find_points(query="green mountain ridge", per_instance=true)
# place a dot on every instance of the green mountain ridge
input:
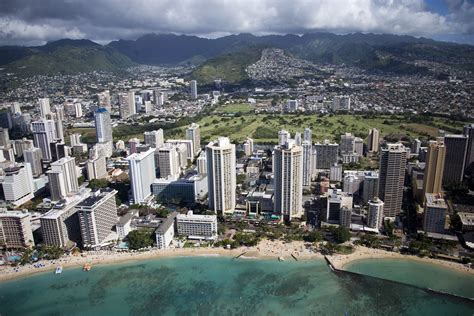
(69, 57)
(381, 53)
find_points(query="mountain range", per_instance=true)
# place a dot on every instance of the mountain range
(373, 52)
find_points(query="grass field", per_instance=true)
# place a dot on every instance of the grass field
(263, 128)
(235, 108)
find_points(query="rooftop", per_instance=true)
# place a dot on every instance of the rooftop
(96, 197)
(163, 228)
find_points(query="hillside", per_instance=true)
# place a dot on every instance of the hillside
(374, 52)
(228, 67)
(67, 57)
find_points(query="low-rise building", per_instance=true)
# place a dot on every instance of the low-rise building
(188, 190)
(124, 226)
(467, 220)
(165, 233)
(197, 226)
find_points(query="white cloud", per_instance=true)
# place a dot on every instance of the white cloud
(102, 19)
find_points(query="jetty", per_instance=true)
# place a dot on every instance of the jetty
(429, 290)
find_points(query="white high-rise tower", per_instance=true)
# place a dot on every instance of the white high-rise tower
(193, 133)
(222, 181)
(142, 174)
(288, 167)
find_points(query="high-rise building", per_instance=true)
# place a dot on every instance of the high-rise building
(307, 162)
(221, 171)
(103, 129)
(193, 133)
(97, 216)
(248, 147)
(307, 135)
(335, 172)
(104, 100)
(59, 127)
(33, 156)
(201, 163)
(142, 174)
(283, 137)
(188, 144)
(375, 213)
(371, 186)
(63, 178)
(373, 140)
(416, 146)
(75, 139)
(154, 138)
(60, 226)
(288, 173)
(182, 151)
(18, 184)
(391, 178)
(96, 167)
(44, 132)
(434, 167)
(335, 202)
(346, 145)
(358, 146)
(58, 150)
(15, 108)
(469, 164)
(434, 217)
(127, 104)
(326, 154)
(4, 138)
(44, 106)
(15, 229)
(298, 139)
(168, 161)
(133, 143)
(194, 90)
(454, 162)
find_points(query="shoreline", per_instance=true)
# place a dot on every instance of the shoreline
(265, 250)
(363, 253)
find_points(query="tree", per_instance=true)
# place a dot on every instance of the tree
(140, 238)
(455, 222)
(314, 236)
(388, 227)
(98, 184)
(341, 234)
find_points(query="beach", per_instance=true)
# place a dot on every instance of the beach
(266, 249)
(360, 253)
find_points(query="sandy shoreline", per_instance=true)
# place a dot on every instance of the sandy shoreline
(342, 261)
(265, 250)
(270, 250)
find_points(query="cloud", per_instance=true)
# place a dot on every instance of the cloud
(35, 22)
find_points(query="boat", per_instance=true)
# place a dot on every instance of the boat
(59, 270)
(87, 267)
(281, 259)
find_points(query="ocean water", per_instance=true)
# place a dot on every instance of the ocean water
(218, 286)
(417, 273)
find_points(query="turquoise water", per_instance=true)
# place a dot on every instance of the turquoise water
(218, 286)
(417, 273)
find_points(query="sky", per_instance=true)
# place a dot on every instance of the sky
(35, 22)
